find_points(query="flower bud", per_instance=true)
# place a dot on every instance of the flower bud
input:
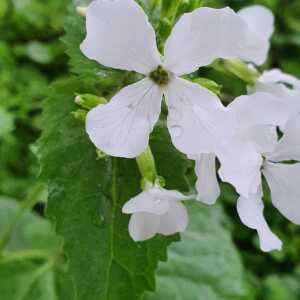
(79, 114)
(89, 101)
(81, 10)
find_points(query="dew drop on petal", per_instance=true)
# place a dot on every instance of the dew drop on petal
(175, 114)
(176, 131)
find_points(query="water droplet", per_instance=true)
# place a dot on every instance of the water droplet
(175, 114)
(176, 131)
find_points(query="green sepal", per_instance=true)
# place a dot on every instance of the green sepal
(79, 114)
(237, 68)
(209, 84)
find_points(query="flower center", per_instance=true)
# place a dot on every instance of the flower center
(160, 76)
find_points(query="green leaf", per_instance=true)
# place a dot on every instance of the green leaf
(204, 265)
(30, 267)
(85, 200)
(6, 122)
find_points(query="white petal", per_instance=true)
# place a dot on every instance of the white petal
(260, 21)
(263, 137)
(167, 195)
(240, 166)
(175, 220)
(284, 183)
(207, 184)
(122, 127)
(143, 226)
(251, 110)
(147, 202)
(120, 36)
(288, 147)
(197, 119)
(202, 36)
(250, 211)
(276, 76)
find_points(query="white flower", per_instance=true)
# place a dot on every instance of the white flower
(239, 151)
(156, 210)
(257, 116)
(255, 150)
(284, 86)
(120, 36)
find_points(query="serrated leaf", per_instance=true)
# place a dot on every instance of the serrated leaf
(29, 265)
(204, 265)
(85, 200)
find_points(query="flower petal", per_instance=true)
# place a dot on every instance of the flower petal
(263, 137)
(119, 36)
(146, 202)
(202, 36)
(288, 147)
(240, 166)
(197, 119)
(260, 21)
(250, 211)
(284, 183)
(167, 195)
(284, 86)
(251, 110)
(175, 220)
(143, 226)
(207, 184)
(276, 76)
(122, 127)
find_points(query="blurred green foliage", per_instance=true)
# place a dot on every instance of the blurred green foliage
(32, 56)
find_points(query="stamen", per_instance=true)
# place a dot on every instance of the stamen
(160, 76)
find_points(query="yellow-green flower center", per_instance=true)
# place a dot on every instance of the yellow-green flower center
(160, 76)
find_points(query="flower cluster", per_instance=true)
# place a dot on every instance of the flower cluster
(256, 134)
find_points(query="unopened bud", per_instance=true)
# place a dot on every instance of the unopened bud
(79, 114)
(89, 101)
(101, 154)
(81, 10)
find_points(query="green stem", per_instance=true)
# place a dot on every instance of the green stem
(32, 254)
(146, 164)
(28, 203)
(238, 68)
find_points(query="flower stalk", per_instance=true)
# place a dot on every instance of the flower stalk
(147, 168)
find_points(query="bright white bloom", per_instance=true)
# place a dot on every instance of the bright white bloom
(284, 86)
(257, 116)
(248, 135)
(156, 210)
(255, 150)
(120, 36)
(261, 24)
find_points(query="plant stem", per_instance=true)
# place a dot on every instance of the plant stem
(146, 164)
(32, 254)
